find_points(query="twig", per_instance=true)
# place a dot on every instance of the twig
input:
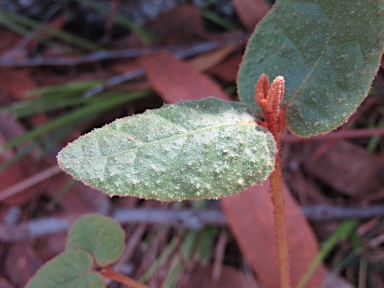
(33, 180)
(342, 134)
(179, 218)
(33, 228)
(45, 226)
(109, 273)
(219, 255)
(132, 243)
(110, 21)
(189, 218)
(321, 213)
(180, 51)
(32, 34)
(113, 81)
(127, 76)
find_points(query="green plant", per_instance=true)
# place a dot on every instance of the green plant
(21, 25)
(328, 53)
(92, 240)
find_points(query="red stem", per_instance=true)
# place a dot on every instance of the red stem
(276, 189)
(269, 100)
(109, 273)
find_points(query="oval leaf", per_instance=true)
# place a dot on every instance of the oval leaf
(98, 235)
(328, 52)
(68, 270)
(193, 149)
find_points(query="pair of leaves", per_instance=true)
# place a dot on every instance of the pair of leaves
(92, 239)
(328, 53)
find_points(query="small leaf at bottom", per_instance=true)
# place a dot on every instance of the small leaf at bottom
(68, 270)
(98, 235)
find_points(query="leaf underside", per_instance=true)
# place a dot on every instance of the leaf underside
(328, 52)
(189, 150)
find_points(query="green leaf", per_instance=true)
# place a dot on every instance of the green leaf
(328, 52)
(98, 235)
(193, 149)
(69, 269)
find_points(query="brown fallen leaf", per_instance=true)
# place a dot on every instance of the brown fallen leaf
(4, 283)
(125, 66)
(72, 201)
(176, 80)
(250, 218)
(16, 172)
(22, 263)
(17, 81)
(209, 59)
(335, 281)
(178, 24)
(56, 23)
(52, 245)
(251, 12)
(352, 176)
(9, 39)
(230, 278)
(227, 70)
(10, 176)
(307, 191)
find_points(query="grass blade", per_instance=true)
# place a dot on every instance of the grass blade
(345, 229)
(59, 34)
(145, 36)
(98, 107)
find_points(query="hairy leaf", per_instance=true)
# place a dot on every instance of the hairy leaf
(193, 149)
(328, 52)
(68, 270)
(98, 235)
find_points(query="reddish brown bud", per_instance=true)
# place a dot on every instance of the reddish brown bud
(275, 94)
(261, 89)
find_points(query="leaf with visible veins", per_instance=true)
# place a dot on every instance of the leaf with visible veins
(190, 150)
(327, 51)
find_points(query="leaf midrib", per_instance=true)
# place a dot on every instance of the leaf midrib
(322, 53)
(164, 139)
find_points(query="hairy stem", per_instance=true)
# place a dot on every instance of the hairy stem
(269, 99)
(109, 273)
(276, 189)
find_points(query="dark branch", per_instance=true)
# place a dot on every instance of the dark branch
(337, 135)
(321, 213)
(181, 51)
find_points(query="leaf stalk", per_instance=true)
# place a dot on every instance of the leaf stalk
(109, 273)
